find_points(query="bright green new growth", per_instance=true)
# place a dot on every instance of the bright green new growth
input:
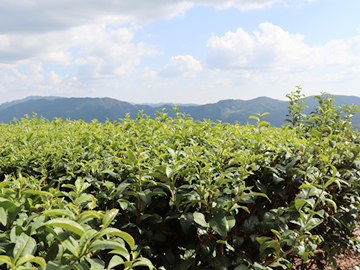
(171, 193)
(296, 108)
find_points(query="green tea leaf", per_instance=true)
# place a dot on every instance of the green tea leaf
(67, 225)
(5, 259)
(30, 258)
(4, 184)
(38, 192)
(186, 221)
(124, 235)
(115, 261)
(131, 156)
(25, 245)
(111, 173)
(143, 262)
(3, 216)
(86, 238)
(219, 224)
(103, 244)
(199, 218)
(109, 217)
(299, 203)
(145, 196)
(241, 267)
(59, 212)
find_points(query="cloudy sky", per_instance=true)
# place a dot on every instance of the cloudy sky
(181, 51)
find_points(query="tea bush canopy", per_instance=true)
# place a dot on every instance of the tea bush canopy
(174, 193)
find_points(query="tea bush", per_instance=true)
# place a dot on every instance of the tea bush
(173, 193)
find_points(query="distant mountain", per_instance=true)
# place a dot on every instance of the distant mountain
(160, 104)
(87, 109)
(11, 103)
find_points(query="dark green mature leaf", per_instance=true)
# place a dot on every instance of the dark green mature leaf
(250, 224)
(52, 252)
(270, 246)
(241, 267)
(219, 224)
(6, 203)
(186, 221)
(277, 179)
(185, 265)
(313, 223)
(111, 173)
(145, 196)
(56, 266)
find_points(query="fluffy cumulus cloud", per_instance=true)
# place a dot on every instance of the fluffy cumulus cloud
(32, 78)
(240, 4)
(47, 29)
(46, 15)
(274, 50)
(181, 66)
(111, 53)
(102, 50)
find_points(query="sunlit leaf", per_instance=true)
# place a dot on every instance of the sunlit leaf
(67, 225)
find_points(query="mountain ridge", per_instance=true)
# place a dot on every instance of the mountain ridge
(102, 109)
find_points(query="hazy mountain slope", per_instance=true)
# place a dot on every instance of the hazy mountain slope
(11, 103)
(230, 111)
(86, 109)
(233, 110)
(161, 104)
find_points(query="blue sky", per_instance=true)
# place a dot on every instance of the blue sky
(181, 51)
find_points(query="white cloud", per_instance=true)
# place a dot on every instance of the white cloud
(24, 16)
(103, 51)
(240, 4)
(181, 65)
(275, 50)
(223, 82)
(31, 80)
(147, 74)
(52, 79)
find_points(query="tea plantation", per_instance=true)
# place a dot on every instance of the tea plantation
(173, 193)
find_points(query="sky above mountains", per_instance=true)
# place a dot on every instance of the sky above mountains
(194, 51)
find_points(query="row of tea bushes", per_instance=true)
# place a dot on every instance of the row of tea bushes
(172, 193)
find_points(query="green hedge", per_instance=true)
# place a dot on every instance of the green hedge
(171, 193)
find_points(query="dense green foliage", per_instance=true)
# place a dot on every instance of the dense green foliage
(172, 193)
